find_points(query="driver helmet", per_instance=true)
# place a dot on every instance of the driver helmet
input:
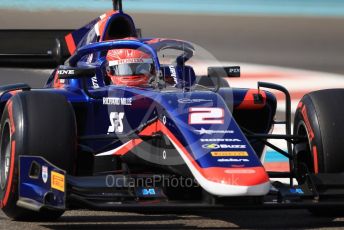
(129, 67)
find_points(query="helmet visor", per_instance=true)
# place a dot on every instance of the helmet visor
(131, 69)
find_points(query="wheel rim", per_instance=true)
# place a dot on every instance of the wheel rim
(5, 154)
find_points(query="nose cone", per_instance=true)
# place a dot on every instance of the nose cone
(235, 181)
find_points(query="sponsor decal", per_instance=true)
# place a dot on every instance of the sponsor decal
(45, 174)
(57, 181)
(130, 60)
(117, 101)
(116, 120)
(95, 82)
(66, 71)
(148, 191)
(173, 73)
(230, 154)
(237, 166)
(205, 131)
(188, 100)
(219, 140)
(296, 191)
(222, 146)
(205, 116)
(233, 160)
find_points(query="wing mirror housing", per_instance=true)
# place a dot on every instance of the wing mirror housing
(76, 73)
(229, 71)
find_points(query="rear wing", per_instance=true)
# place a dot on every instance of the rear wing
(33, 48)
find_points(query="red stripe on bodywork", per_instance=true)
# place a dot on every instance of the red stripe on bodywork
(219, 174)
(70, 43)
(249, 101)
(10, 176)
(315, 159)
(232, 176)
(127, 147)
(14, 92)
(148, 131)
(236, 176)
(155, 40)
(58, 82)
(102, 23)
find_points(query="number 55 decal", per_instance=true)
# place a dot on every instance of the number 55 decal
(116, 120)
(206, 116)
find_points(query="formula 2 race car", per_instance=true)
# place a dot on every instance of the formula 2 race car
(97, 137)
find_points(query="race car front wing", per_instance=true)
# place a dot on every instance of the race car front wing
(45, 186)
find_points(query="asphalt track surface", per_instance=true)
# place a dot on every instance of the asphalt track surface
(304, 42)
(233, 219)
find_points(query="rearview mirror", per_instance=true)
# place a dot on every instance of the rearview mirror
(74, 73)
(230, 71)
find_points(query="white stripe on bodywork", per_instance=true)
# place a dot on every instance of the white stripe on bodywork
(220, 189)
(113, 151)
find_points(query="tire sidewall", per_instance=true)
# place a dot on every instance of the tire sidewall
(306, 117)
(9, 195)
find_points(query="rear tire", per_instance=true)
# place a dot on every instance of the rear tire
(34, 123)
(320, 118)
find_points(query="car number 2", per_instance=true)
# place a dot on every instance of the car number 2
(206, 115)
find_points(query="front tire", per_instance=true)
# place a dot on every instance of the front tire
(320, 119)
(34, 123)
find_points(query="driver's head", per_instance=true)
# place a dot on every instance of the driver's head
(129, 67)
